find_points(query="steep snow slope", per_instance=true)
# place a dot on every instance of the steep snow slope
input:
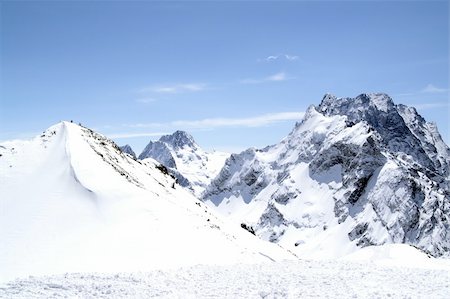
(72, 201)
(355, 172)
(193, 167)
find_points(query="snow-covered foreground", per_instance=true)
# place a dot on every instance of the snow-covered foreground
(289, 279)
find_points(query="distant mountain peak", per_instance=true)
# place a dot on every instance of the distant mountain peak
(128, 150)
(159, 151)
(179, 139)
(193, 167)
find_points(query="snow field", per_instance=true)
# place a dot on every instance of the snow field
(299, 279)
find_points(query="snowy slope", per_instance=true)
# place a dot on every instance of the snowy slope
(193, 167)
(353, 277)
(354, 172)
(71, 201)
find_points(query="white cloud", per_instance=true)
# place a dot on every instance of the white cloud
(271, 58)
(430, 88)
(174, 88)
(257, 121)
(431, 105)
(291, 57)
(133, 135)
(278, 77)
(145, 100)
(405, 94)
(211, 123)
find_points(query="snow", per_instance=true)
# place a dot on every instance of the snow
(182, 154)
(81, 219)
(354, 277)
(71, 201)
(354, 172)
(398, 255)
(199, 167)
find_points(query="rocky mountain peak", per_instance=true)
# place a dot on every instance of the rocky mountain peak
(128, 150)
(179, 139)
(387, 119)
(160, 152)
(358, 107)
(362, 169)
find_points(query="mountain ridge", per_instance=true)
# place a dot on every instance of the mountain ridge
(354, 169)
(85, 206)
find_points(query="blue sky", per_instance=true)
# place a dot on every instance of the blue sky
(233, 74)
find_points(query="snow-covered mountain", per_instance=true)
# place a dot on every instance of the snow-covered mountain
(128, 150)
(193, 167)
(354, 172)
(72, 201)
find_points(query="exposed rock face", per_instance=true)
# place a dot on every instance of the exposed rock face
(193, 167)
(160, 152)
(128, 150)
(179, 140)
(361, 169)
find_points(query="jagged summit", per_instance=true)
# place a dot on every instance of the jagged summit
(331, 105)
(179, 139)
(361, 170)
(160, 152)
(193, 167)
(128, 150)
(394, 124)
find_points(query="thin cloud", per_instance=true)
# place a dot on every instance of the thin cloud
(145, 100)
(430, 88)
(133, 135)
(431, 106)
(258, 121)
(278, 77)
(221, 122)
(288, 57)
(271, 58)
(405, 94)
(174, 88)
(291, 57)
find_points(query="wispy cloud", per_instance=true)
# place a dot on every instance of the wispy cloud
(281, 76)
(404, 94)
(145, 100)
(133, 135)
(430, 88)
(277, 77)
(211, 123)
(174, 88)
(257, 121)
(431, 105)
(271, 58)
